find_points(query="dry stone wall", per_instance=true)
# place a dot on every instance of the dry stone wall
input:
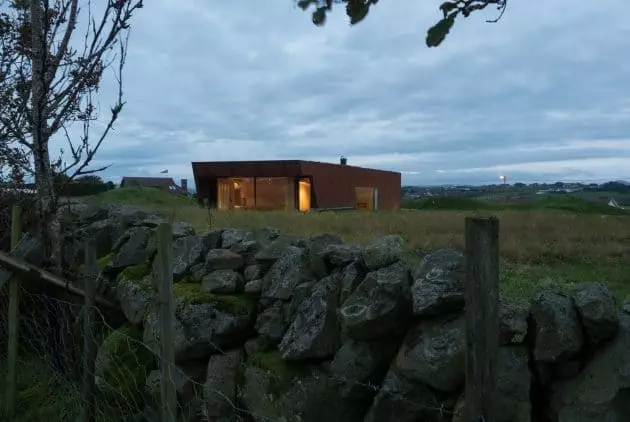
(273, 327)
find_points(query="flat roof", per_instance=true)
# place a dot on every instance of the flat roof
(285, 162)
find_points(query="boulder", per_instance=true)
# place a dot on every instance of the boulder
(276, 390)
(204, 323)
(187, 251)
(211, 240)
(315, 331)
(223, 281)
(439, 283)
(380, 305)
(272, 323)
(351, 276)
(248, 250)
(223, 259)
(230, 237)
(263, 235)
(360, 365)
(300, 293)
(254, 287)
(134, 249)
(314, 257)
(434, 354)
(384, 252)
(285, 274)
(598, 311)
(399, 400)
(134, 292)
(601, 391)
(185, 378)
(512, 321)
(276, 249)
(557, 329)
(341, 255)
(220, 387)
(252, 272)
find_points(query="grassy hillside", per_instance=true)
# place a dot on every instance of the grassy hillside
(557, 240)
(563, 203)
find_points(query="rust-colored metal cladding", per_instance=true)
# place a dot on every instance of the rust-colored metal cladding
(295, 184)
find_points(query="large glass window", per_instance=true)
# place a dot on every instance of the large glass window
(235, 193)
(263, 193)
(274, 193)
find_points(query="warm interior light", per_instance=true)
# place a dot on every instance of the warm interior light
(304, 195)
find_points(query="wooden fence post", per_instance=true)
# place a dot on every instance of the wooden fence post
(89, 341)
(482, 325)
(165, 295)
(14, 316)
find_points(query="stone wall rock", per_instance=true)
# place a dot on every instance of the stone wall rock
(269, 326)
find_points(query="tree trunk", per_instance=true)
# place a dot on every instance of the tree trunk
(46, 200)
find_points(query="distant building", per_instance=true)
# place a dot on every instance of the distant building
(163, 183)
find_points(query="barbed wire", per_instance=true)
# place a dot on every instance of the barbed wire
(126, 371)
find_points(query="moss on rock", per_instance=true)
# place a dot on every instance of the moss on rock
(136, 275)
(281, 372)
(101, 263)
(193, 294)
(123, 365)
(272, 361)
(136, 272)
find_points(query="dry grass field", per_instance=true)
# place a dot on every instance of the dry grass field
(537, 247)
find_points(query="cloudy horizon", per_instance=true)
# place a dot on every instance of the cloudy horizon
(543, 95)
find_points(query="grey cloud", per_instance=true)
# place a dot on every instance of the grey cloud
(240, 81)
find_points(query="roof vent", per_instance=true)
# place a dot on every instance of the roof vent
(343, 161)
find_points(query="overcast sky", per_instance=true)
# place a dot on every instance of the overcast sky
(543, 95)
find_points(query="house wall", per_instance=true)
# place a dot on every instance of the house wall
(334, 185)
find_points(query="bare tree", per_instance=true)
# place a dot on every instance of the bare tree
(50, 74)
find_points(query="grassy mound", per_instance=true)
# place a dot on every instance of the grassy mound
(142, 196)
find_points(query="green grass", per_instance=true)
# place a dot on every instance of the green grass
(557, 240)
(142, 197)
(563, 203)
(521, 282)
(41, 395)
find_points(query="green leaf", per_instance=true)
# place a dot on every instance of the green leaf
(357, 10)
(447, 7)
(437, 33)
(319, 16)
(304, 4)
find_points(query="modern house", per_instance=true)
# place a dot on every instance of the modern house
(295, 184)
(163, 183)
